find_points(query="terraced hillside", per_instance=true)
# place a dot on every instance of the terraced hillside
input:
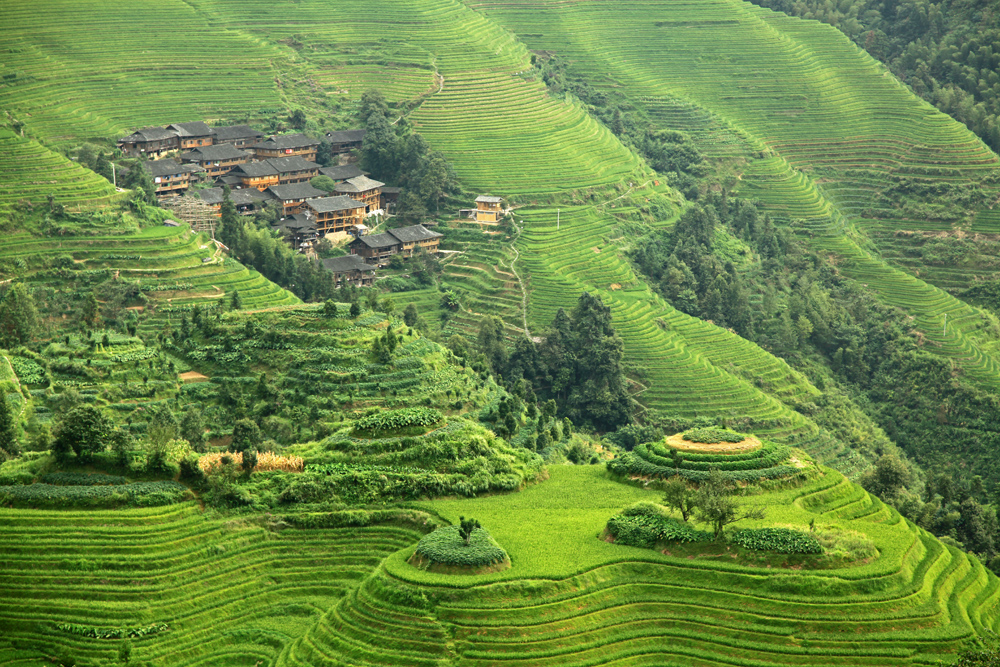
(31, 172)
(175, 268)
(68, 68)
(850, 148)
(229, 591)
(501, 131)
(571, 599)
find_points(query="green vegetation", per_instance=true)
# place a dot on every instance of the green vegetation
(780, 540)
(447, 546)
(655, 460)
(647, 531)
(712, 435)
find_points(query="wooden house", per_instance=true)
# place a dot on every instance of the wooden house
(416, 237)
(293, 197)
(240, 136)
(192, 135)
(343, 141)
(342, 172)
(350, 270)
(376, 248)
(364, 189)
(488, 209)
(217, 160)
(257, 174)
(149, 142)
(170, 178)
(335, 214)
(285, 145)
(294, 169)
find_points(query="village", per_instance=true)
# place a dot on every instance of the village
(193, 165)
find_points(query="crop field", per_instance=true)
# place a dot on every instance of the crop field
(572, 599)
(31, 172)
(230, 591)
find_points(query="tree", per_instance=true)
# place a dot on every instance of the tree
(410, 315)
(679, 496)
(236, 302)
(84, 430)
(716, 506)
(889, 476)
(355, 309)
(18, 316)
(162, 426)
(324, 183)
(8, 427)
(491, 343)
(466, 528)
(329, 309)
(249, 460)
(246, 436)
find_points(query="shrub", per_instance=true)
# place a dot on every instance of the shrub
(445, 546)
(81, 479)
(780, 540)
(712, 435)
(139, 494)
(646, 530)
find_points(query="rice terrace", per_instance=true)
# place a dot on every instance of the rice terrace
(482, 333)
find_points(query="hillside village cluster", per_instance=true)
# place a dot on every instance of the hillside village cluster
(260, 170)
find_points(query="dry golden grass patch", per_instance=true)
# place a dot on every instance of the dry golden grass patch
(266, 461)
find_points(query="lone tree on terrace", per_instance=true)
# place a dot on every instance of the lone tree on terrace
(466, 527)
(717, 506)
(679, 496)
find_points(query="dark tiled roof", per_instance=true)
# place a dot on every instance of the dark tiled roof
(329, 204)
(342, 172)
(195, 129)
(346, 263)
(391, 190)
(231, 132)
(378, 241)
(294, 191)
(165, 167)
(488, 199)
(150, 134)
(214, 152)
(291, 163)
(257, 168)
(230, 180)
(359, 184)
(246, 196)
(414, 233)
(345, 136)
(280, 142)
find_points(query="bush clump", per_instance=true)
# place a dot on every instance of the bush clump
(646, 530)
(82, 479)
(392, 420)
(712, 434)
(139, 494)
(780, 540)
(445, 546)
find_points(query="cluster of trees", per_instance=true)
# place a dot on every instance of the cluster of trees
(19, 320)
(578, 364)
(127, 173)
(251, 241)
(713, 502)
(392, 152)
(667, 151)
(945, 50)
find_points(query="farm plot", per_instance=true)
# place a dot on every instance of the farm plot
(227, 591)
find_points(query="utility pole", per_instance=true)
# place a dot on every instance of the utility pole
(114, 176)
